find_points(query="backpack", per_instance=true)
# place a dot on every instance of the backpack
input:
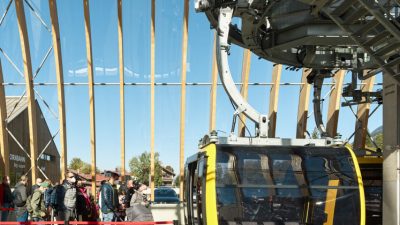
(17, 198)
(83, 206)
(47, 197)
(57, 197)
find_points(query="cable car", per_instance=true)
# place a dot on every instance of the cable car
(252, 181)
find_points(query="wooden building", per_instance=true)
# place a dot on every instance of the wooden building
(18, 139)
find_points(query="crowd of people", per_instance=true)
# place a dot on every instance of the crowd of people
(70, 200)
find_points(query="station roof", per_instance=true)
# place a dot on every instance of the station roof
(15, 106)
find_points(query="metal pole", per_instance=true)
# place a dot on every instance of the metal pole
(121, 88)
(244, 89)
(361, 126)
(5, 151)
(304, 100)
(334, 104)
(26, 57)
(183, 96)
(274, 99)
(60, 85)
(214, 81)
(152, 71)
(91, 94)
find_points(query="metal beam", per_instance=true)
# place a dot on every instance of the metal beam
(60, 85)
(121, 88)
(361, 127)
(304, 101)
(244, 89)
(152, 73)
(183, 96)
(273, 99)
(334, 104)
(26, 57)
(89, 59)
(214, 81)
(4, 148)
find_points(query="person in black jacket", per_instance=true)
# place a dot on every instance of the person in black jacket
(20, 195)
(6, 198)
(109, 199)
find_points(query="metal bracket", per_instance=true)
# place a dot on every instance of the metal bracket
(261, 121)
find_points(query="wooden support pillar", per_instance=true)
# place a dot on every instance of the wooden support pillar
(244, 89)
(214, 80)
(121, 88)
(152, 71)
(183, 97)
(4, 148)
(304, 100)
(273, 99)
(60, 85)
(89, 60)
(26, 57)
(334, 104)
(361, 127)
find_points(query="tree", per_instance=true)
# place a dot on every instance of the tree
(76, 164)
(315, 134)
(140, 168)
(177, 181)
(378, 139)
(83, 167)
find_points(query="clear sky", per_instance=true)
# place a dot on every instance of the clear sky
(136, 25)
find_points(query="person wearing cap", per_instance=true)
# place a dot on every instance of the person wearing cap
(67, 210)
(39, 181)
(39, 211)
(20, 196)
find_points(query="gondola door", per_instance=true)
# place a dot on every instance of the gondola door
(195, 189)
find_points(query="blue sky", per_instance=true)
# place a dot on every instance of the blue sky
(136, 24)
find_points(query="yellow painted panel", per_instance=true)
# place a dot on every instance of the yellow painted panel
(331, 202)
(211, 193)
(360, 186)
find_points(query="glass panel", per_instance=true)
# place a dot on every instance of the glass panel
(137, 121)
(104, 25)
(200, 47)
(10, 45)
(78, 125)
(39, 32)
(136, 23)
(167, 124)
(108, 127)
(73, 42)
(169, 41)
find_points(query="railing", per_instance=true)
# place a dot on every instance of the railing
(174, 222)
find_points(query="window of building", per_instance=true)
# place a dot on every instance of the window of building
(47, 157)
